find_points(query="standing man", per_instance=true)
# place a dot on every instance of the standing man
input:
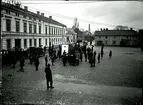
(64, 58)
(36, 63)
(49, 76)
(46, 60)
(98, 57)
(110, 54)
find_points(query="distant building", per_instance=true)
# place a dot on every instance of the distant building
(72, 35)
(20, 27)
(76, 23)
(116, 37)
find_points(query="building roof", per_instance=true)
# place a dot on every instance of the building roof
(70, 31)
(31, 14)
(115, 33)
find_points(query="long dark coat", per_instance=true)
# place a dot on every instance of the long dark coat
(48, 74)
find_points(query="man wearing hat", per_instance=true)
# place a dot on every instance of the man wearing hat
(49, 76)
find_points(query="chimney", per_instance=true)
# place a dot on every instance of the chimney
(42, 14)
(100, 29)
(131, 28)
(26, 8)
(106, 28)
(38, 12)
(50, 17)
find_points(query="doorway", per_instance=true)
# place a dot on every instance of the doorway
(18, 43)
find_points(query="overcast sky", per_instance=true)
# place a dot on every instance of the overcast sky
(99, 14)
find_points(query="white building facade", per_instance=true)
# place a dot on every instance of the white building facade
(20, 27)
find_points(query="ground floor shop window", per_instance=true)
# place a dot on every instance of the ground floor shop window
(25, 43)
(39, 42)
(35, 43)
(30, 42)
(45, 41)
(18, 43)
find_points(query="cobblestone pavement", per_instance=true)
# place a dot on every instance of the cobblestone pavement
(113, 81)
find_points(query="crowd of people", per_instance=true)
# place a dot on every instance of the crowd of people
(73, 57)
(12, 56)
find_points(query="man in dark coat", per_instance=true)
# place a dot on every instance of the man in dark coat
(110, 54)
(36, 63)
(49, 76)
(98, 57)
(64, 58)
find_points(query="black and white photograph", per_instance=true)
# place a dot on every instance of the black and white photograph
(71, 52)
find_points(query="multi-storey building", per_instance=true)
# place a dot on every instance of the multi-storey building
(116, 37)
(20, 27)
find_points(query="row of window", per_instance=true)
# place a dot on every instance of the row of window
(18, 42)
(106, 37)
(52, 30)
(127, 37)
(17, 14)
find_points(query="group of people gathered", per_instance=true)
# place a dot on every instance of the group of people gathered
(76, 53)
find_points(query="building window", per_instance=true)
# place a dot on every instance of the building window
(45, 41)
(8, 41)
(17, 26)
(8, 25)
(127, 37)
(25, 27)
(7, 11)
(49, 30)
(39, 42)
(17, 14)
(52, 30)
(39, 29)
(35, 28)
(67, 39)
(35, 43)
(106, 37)
(39, 20)
(25, 43)
(46, 29)
(30, 42)
(30, 28)
(114, 42)
(114, 37)
(106, 42)
(99, 37)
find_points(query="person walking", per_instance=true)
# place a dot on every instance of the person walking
(110, 54)
(49, 76)
(46, 60)
(36, 63)
(98, 57)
